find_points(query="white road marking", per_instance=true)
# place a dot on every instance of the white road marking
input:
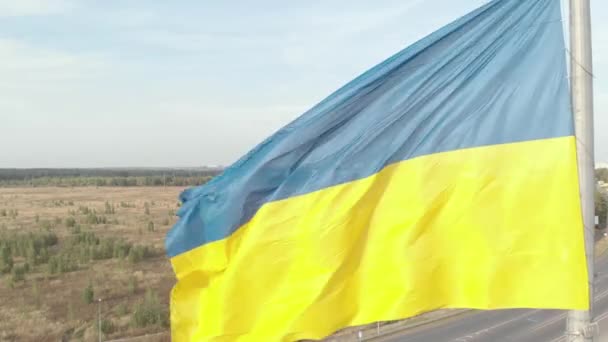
(486, 330)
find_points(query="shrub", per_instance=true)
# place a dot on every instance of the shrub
(57, 203)
(70, 310)
(31, 255)
(43, 256)
(107, 327)
(36, 293)
(132, 286)
(105, 250)
(84, 254)
(67, 263)
(134, 256)
(6, 260)
(121, 249)
(50, 239)
(29, 246)
(139, 253)
(70, 222)
(53, 266)
(84, 210)
(18, 274)
(109, 208)
(88, 294)
(126, 205)
(149, 312)
(75, 229)
(92, 218)
(62, 263)
(122, 309)
(84, 238)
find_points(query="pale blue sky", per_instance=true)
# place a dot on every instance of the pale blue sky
(187, 83)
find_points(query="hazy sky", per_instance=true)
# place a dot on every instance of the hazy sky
(187, 83)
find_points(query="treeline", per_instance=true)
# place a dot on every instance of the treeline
(24, 174)
(106, 177)
(601, 199)
(113, 181)
(601, 175)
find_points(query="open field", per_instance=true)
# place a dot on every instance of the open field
(61, 243)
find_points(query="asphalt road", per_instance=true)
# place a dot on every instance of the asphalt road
(509, 325)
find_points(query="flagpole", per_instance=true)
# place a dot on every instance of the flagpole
(579, 322)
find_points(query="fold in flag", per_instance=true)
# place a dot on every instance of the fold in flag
(444, 177)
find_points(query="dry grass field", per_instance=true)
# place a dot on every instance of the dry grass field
(48, 302)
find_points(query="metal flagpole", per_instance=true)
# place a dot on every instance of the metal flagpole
(581, 85)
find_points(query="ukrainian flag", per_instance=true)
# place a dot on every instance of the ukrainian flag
(444, 177)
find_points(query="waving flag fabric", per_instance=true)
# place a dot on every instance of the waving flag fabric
(444, 177)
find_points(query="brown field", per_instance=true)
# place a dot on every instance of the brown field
(51, 307)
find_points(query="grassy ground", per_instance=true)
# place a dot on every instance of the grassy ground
(50, 306)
